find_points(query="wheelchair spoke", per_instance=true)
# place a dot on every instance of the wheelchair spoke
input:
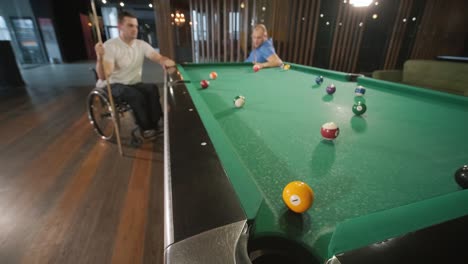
(100, 116)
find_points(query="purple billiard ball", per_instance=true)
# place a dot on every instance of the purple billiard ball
(331, 89)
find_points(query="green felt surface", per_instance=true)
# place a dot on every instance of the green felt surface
(402, 151)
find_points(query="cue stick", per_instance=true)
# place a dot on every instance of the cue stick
(109, 92)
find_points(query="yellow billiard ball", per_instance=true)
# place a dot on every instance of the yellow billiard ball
(286, 67)
(298, 196)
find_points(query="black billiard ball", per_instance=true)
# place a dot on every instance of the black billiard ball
(461, 177)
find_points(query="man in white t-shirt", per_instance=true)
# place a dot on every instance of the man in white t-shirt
(122, 58)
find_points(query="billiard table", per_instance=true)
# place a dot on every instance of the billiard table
(384, 188)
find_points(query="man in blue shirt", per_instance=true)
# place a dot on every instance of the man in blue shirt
(263, 53)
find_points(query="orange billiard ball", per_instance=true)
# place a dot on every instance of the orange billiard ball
(213, 75)
(298, 196)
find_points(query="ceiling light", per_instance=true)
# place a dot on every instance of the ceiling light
(360, 3)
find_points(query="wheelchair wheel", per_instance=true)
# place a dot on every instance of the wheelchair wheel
(100, 114)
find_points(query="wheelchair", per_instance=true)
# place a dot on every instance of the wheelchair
(100, 115)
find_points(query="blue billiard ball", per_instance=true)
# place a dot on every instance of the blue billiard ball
(319, 80)
(360, 91)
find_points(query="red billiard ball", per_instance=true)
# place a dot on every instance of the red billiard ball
(204, 84)
(256, 68)
(330, 131)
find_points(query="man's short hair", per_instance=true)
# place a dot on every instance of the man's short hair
(123, 15)
(262, 28)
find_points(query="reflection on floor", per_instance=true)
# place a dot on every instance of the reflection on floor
(66, 196)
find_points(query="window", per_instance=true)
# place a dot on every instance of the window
(4, 33)
(112, 32)
(234, 25)
(199, 26)
(110, 19)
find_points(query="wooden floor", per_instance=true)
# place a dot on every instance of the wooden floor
(66, 196)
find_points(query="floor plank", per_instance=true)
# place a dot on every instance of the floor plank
(67, 196)
(129, 243)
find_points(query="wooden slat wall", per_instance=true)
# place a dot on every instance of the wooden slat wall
(420, 51)
(443, 25)
(315, 18)
(278, 27)
(218, 29)
(291, 31)
(245, 31)
(238, 29)
(398, 33)
(194, 43)
(218, 44)
(225, 27)
(197, 23)
(213, 33)
(303, 43)
(207, 29)
(298, 35)
(336, 36)
(231, 35)
(347, 37)
(164, 31)
(293, 37)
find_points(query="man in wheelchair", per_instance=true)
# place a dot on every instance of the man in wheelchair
(122, 58)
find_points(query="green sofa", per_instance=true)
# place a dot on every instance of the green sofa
(446, 76)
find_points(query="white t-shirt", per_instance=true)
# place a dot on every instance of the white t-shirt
(127, 60)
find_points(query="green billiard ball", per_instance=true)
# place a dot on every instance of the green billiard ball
(359, 108)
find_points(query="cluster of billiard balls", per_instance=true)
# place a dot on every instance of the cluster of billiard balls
(330, 130)
(359, 108)
(239, 101)
(297, 195)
